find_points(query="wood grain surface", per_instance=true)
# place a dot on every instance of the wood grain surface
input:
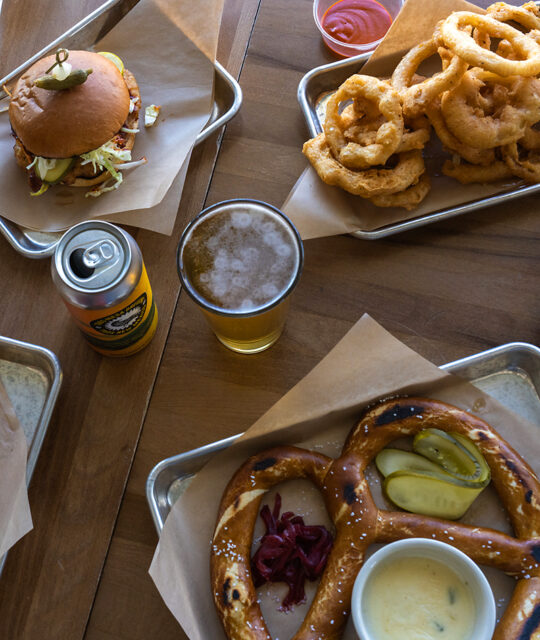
(447, 290)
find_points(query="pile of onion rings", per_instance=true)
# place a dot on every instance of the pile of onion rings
(370, 148)
(483, 106)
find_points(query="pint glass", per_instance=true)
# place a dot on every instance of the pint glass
(239, 260)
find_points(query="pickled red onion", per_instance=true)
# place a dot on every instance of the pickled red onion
(291, 552)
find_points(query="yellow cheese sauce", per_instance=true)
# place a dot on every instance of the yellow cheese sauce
(418, 599)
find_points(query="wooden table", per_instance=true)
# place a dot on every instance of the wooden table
(447, 290)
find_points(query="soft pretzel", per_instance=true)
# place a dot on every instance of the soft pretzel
(358, 522)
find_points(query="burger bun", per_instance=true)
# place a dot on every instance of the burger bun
(69, 122)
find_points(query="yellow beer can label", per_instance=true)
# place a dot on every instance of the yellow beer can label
(123, 329)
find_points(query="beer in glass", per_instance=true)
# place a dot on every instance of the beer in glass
(239, 260)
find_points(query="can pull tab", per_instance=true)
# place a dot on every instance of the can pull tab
(100, 254)
(84, 262)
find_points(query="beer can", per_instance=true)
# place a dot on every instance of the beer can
(99, 271)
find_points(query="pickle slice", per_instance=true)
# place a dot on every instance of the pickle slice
(427, 494)
(443, 449)
(485, 475)
(56, 173)
(390, 460)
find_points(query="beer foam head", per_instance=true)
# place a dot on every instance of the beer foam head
(241, 258)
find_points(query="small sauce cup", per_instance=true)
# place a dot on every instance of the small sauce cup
(438, 552)
(344, 49)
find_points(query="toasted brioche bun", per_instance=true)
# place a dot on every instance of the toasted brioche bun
(62, 124)
(83, 175)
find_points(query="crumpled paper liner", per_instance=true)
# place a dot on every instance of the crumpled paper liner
(15, 518)
(172, 72)
(366, 365)
(318, 209)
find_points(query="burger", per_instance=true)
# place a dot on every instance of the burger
(74, 116)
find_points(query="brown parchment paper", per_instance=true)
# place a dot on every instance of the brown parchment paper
(157, 40)
(15, 518)
(318, 209)
(367, 364)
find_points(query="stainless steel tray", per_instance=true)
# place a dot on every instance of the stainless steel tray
(319, 83)
(227, 101)
(32, 377)
(510, 373)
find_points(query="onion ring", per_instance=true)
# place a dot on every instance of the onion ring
(506, 125)
(408, 199)
(453, 144)
(366, 183)
(469, 173)
(351, 154)
(457, 39)
(364, 131)
(528, 15)
(416, 97)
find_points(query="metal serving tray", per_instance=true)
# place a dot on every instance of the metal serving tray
(510, 373)
(319, 83)
(227, 101)
(32, 377)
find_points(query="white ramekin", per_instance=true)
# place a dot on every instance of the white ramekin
(466, 569)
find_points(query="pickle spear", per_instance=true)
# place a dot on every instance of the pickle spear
(462, 461)
(67, 80)
(390, 460)
(73, 79)
(485, 475)
(426, 493)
